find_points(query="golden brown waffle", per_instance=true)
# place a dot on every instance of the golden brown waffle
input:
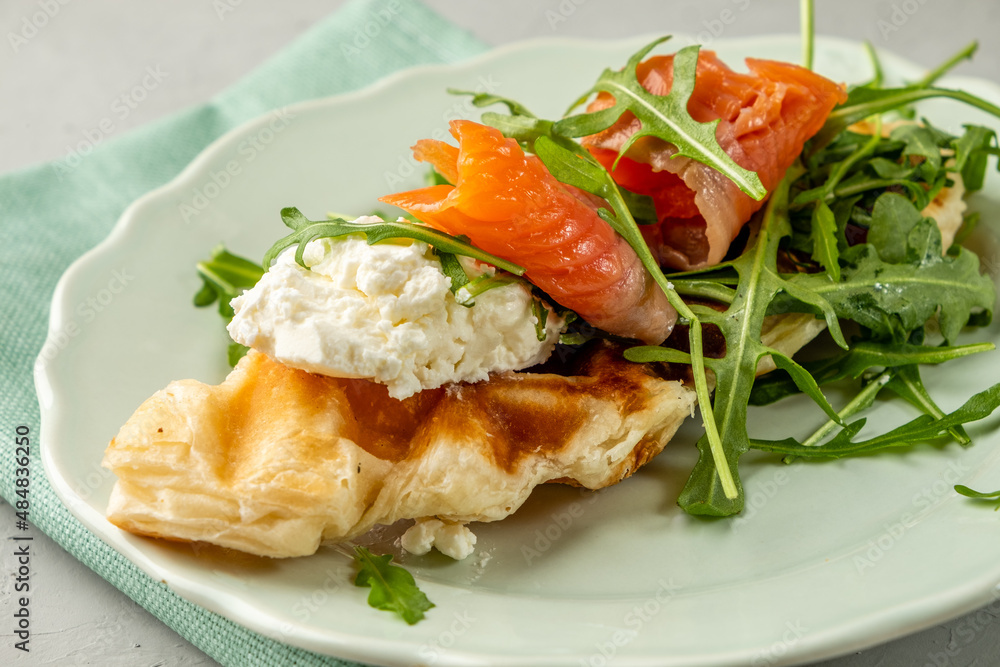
(274, 461)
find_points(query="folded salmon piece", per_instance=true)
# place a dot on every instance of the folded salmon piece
(509, 204)
(765, 117)
(275, 461)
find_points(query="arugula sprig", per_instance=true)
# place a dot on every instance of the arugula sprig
(922, 429)
(863, 356)
(979, 495)
(663, 117)
(741, 324)
(393, 588)
(305, 230)
(867, 101)
(892, 283)
(900, 372)
(224, 277)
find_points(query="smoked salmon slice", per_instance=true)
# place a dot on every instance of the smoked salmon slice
(508, 204)
(765, 118)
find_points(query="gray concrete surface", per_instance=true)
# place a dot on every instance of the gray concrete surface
(64, 79)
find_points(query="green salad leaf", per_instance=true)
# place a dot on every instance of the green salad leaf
(922, 429)
(863, 356)
(891, 300)
(393, 588)
(224, 277)
(864, 102)
(740, 325)
(664, 117)
(979, 495)
(305, 230)
(908, 385)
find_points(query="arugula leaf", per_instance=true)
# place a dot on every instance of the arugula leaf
(235, 351)
(877, 73)
(741, 327)
(979, 495)
(699, 288)
(224, 277)
(965, 53)
(451, 267)
(920, 142)
(807, 29)
(864, 102)
(662, 116)
(305, 230)
(541, 314)
(972, 150)
(922, 429)
(894, 299)
(466, 294)
(527, 129)
(894, 221)
(861, 401)
(824, 240)
(488, 99)
(393, 588)
(862, 357)
(908, 385)
(641, 206)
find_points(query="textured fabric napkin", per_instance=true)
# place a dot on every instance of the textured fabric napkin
(51, 214)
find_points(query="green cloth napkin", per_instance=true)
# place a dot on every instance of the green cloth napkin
(51, 214)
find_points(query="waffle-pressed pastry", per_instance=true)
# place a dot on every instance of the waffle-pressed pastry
(274, 461)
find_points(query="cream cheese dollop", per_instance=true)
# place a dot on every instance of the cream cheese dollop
(451, 539)
(386, 312)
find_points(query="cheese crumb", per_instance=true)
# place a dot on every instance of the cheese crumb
(386, 312)
(451, 539)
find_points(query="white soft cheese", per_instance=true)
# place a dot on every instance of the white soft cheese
(451, 539)
(385, 312)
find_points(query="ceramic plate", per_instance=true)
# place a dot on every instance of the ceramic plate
(828, 558)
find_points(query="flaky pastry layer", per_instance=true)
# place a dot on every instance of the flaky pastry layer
(275, 461)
